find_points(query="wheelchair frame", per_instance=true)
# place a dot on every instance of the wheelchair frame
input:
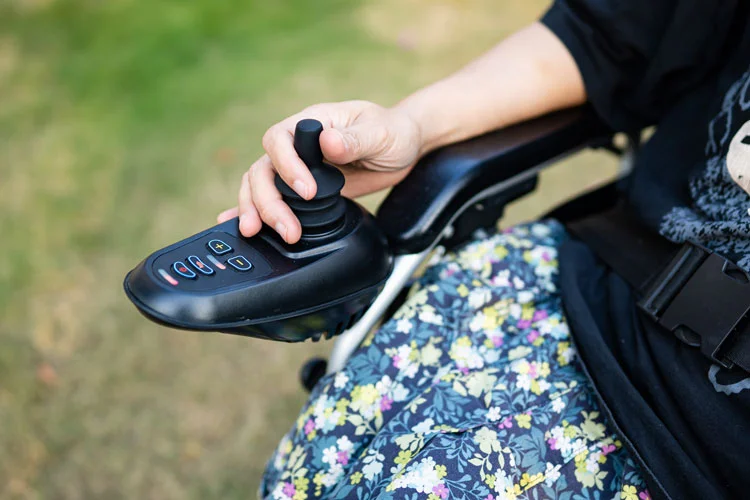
(524, 150)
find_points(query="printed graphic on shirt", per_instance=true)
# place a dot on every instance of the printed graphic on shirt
(718, 216)
(728, 387)
(738, 157)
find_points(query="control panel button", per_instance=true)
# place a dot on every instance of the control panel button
(180, 268)
(200, 266)
(240, 263)
(219, 247)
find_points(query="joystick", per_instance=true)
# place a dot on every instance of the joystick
(322, 216)
(219, 280)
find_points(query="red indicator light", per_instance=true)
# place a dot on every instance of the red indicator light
(168, 278)
(215, 262)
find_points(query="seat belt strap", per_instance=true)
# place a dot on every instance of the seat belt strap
(634, 252)
(699, 296)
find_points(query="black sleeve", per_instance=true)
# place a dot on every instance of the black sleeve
(639, 57)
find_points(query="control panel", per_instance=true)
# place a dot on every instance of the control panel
(216, 260)
(218, 280)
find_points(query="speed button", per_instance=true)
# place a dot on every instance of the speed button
(240, 263)
(218, 247)
(200, 266)
(180, 268)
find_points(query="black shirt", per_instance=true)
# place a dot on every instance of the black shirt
(685, 66)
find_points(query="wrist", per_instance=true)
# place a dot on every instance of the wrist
(433, 121)
(431, 134)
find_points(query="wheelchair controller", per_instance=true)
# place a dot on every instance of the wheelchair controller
(218, 280)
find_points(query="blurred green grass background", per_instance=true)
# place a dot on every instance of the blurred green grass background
(126, 125)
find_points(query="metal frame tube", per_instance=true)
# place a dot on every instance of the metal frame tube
(404, 267)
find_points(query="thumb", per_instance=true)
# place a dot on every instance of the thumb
(342, 146)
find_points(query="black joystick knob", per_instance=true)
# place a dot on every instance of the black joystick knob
(324, 214)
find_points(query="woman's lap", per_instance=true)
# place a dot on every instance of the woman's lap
(472, 390)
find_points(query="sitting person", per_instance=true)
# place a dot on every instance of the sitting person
(475, 389)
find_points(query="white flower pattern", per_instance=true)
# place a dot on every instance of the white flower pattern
(481, 378)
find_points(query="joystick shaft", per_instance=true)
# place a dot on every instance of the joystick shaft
(323, 215)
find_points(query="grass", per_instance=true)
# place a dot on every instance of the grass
(125, 125)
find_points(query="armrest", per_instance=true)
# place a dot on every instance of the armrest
(449, 180)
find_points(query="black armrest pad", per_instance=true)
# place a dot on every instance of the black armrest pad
(418, 209)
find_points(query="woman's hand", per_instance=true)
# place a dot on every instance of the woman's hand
(375, 148)
(526, 75)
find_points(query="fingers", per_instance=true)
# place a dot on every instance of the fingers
(279, 145)
(360, 181)
(347, 145)
(227, 214)
(250, 222)
(278, 142)
(262, 202)
(259, 200)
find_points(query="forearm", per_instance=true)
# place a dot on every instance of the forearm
(526, 75)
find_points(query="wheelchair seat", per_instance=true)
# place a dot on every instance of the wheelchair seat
(465, 187)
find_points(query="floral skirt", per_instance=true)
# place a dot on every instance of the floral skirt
(472, 390)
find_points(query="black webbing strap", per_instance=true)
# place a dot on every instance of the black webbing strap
(698, 295)
(635, 253)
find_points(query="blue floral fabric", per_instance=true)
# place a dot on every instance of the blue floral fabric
(471, 391)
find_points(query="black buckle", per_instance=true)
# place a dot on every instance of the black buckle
(702, 298)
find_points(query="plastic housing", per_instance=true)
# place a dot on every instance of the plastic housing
(311, 289)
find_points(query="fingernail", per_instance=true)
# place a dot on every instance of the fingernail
(301, 188)
(243, 218)
(281, 229)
